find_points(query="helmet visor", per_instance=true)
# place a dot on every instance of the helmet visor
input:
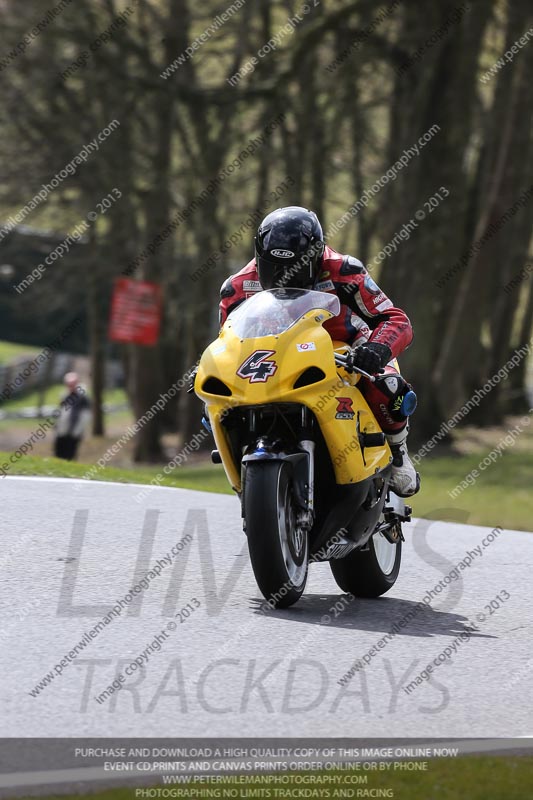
(295, 273)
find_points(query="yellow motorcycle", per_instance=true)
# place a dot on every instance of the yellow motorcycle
(301, 448)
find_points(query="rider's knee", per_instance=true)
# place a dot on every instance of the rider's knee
(397, 396)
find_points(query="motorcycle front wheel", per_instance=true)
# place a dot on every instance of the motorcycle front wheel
(279, 548)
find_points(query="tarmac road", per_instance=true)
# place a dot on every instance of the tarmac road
(72, 549)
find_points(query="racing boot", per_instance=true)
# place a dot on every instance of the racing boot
(405, 480)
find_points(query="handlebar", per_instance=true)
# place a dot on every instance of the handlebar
(341, 360)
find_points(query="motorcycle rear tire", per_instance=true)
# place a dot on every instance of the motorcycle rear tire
(362, 574)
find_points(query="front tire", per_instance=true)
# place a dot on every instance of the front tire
(370, 572)
(279, 548)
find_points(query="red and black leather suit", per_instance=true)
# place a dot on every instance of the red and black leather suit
(366, 314)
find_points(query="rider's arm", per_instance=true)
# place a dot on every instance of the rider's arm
(389, 325)
(229, 299)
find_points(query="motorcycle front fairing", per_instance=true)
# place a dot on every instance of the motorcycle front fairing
(273, 350)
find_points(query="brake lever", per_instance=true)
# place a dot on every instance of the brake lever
(190, 389)
(341, 360)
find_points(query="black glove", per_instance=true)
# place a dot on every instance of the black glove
(370, 357)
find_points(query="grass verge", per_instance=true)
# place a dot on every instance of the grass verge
(11, 350)
(501, 495)
(52, 395)
(469, 777)
(204, 477)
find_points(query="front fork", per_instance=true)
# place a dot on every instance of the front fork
(306, 518)
(305, 486)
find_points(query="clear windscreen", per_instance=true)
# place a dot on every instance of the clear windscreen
(272, 312)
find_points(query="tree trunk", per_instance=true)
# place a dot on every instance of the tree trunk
(427, 94)
(96, 347)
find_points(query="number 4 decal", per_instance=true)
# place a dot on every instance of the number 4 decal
(256, 368)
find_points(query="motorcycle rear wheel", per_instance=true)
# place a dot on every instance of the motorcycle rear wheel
(370, 572)
(279, 548)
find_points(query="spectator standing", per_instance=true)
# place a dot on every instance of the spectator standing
(73, 419)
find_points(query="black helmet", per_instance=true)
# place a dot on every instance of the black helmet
(289, 248)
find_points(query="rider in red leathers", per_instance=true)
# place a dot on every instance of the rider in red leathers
(290, 252)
